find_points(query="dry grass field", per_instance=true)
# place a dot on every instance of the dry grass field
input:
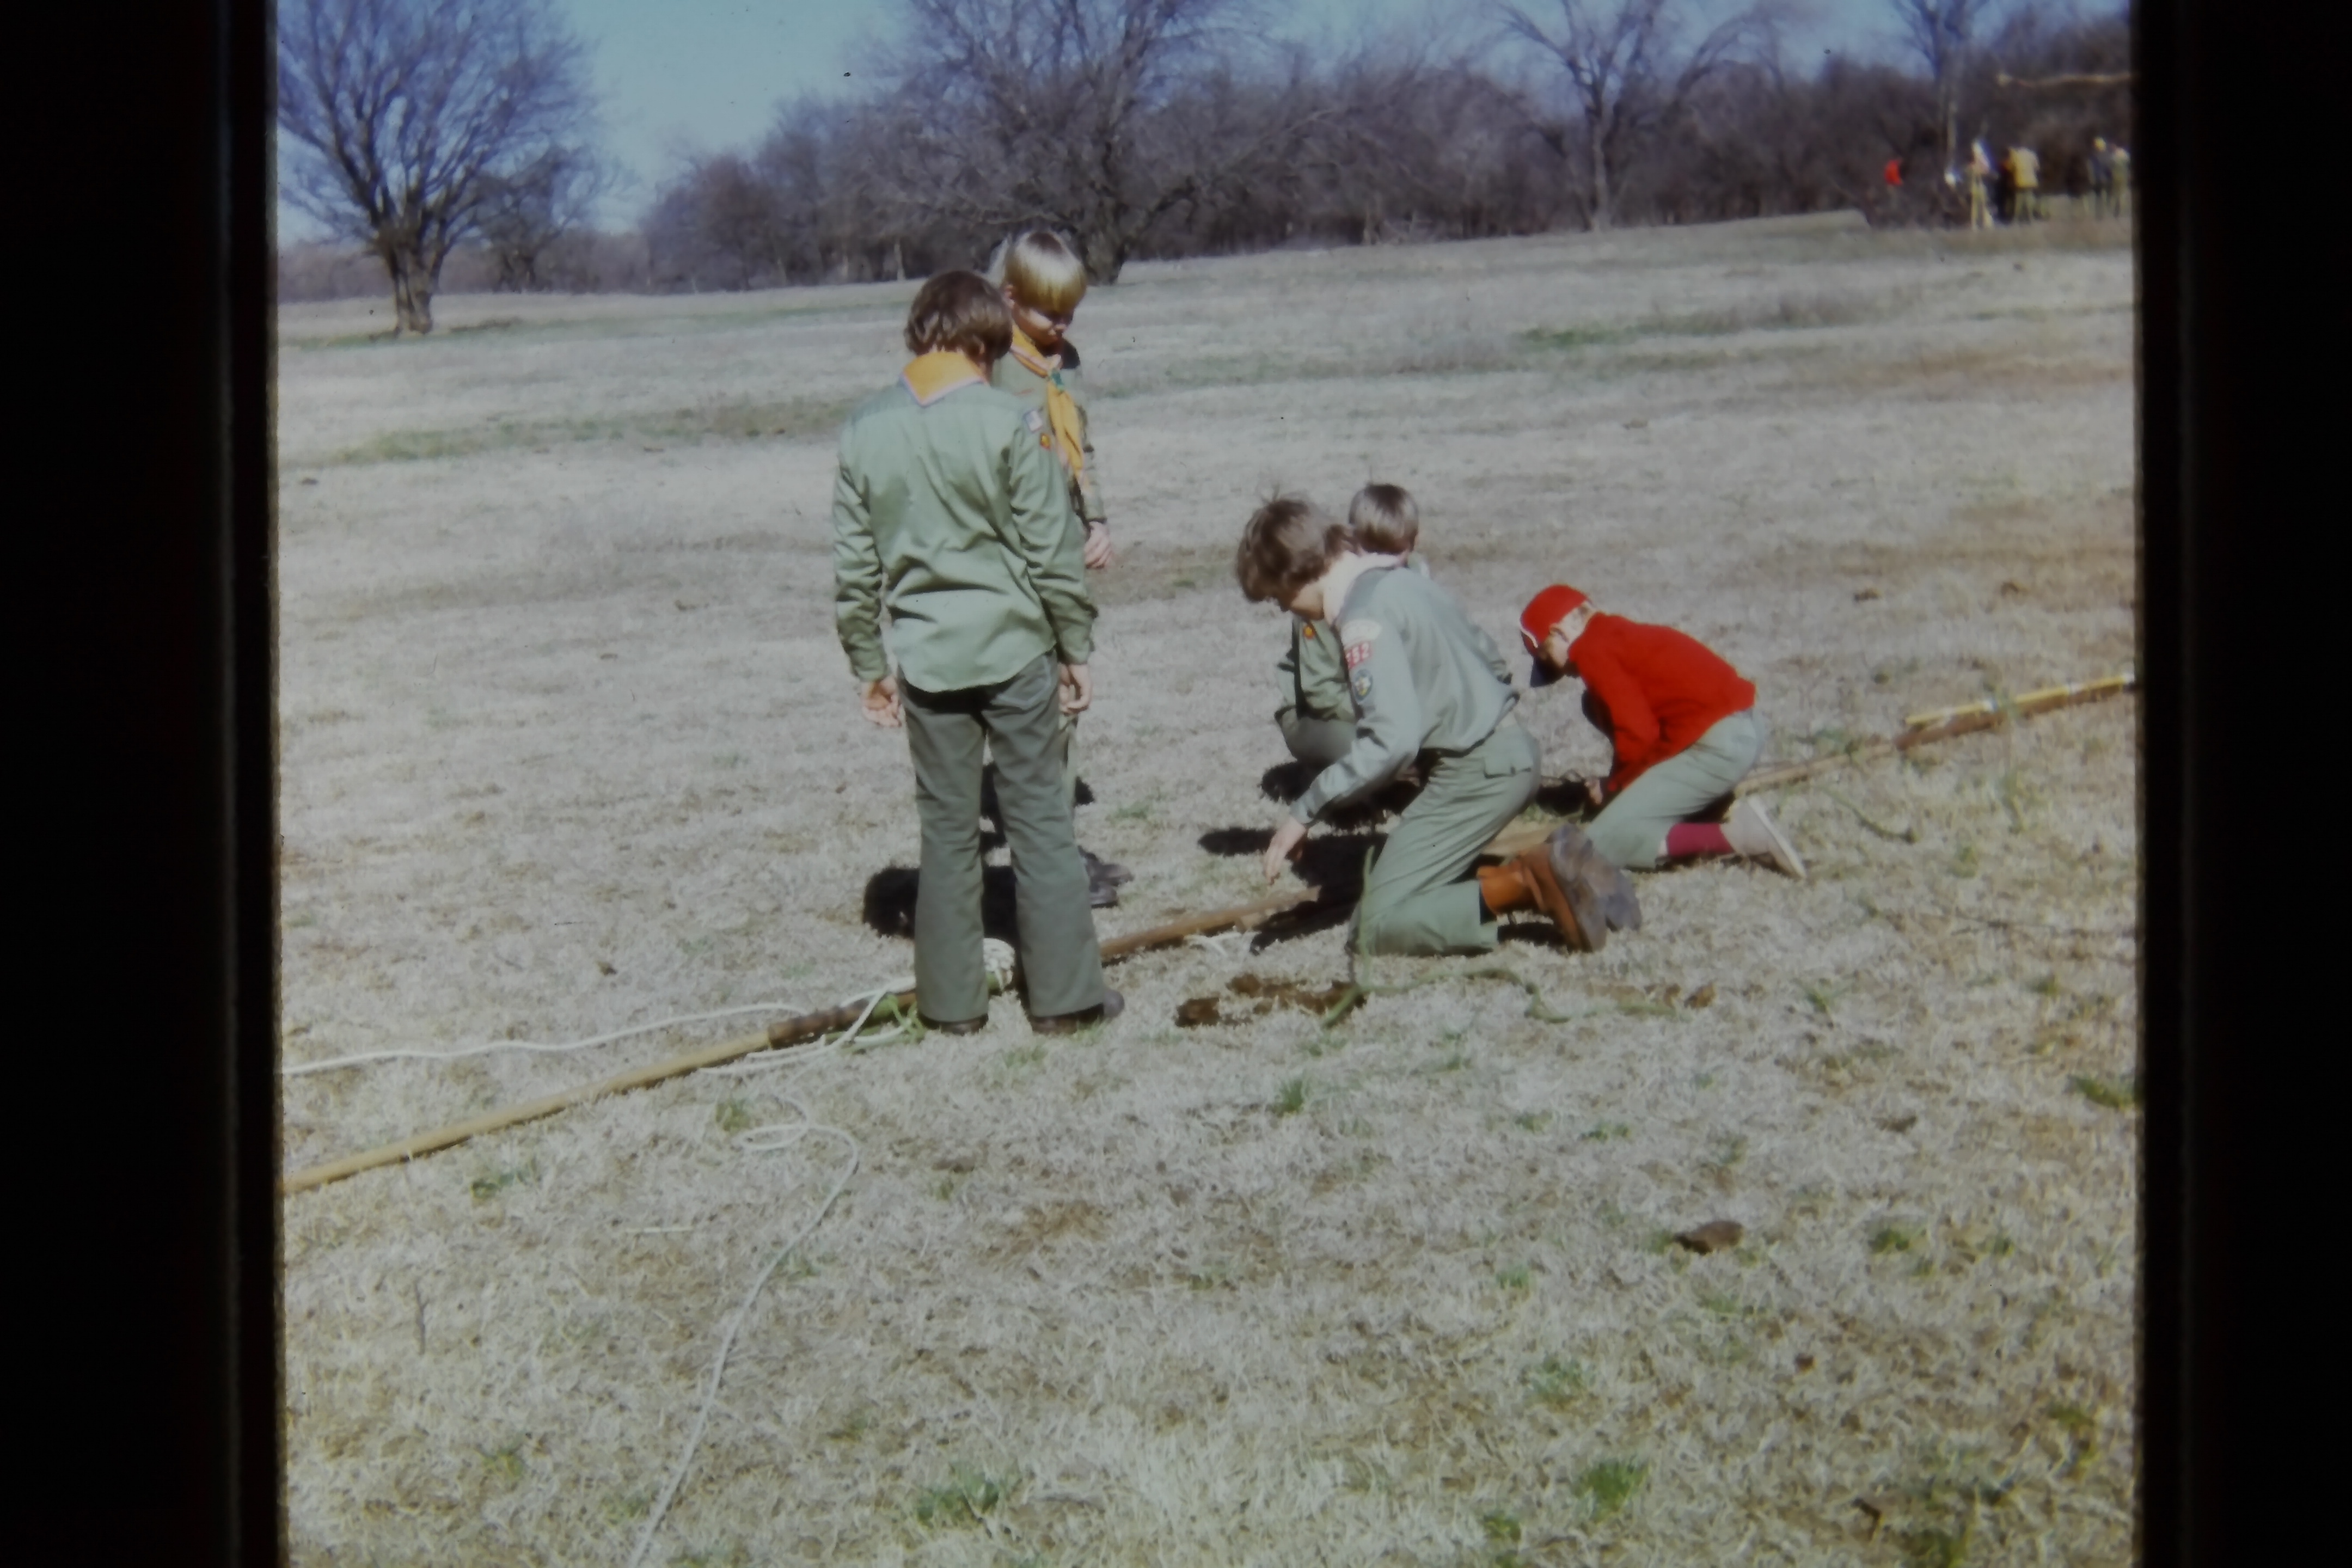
(567, 746)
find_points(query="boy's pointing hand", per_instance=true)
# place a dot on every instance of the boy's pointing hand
(1288, 839)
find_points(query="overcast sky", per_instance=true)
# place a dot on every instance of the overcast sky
(680, 76)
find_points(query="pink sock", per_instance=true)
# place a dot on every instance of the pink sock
(1696, 839)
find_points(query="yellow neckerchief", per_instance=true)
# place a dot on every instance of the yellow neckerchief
(933, 376)
(1061, 409)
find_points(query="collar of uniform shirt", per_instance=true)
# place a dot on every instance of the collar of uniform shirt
(1342, 576)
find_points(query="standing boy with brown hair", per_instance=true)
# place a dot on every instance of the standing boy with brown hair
(949, 520)
(1427, 685)
(1043, 282)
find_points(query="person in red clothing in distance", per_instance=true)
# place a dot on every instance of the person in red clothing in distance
(1683, 725)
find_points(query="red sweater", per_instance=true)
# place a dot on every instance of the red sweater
(1653, 689)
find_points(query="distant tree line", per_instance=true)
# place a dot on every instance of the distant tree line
(1169, 128)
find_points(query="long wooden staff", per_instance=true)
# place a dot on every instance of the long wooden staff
(789, 1032)
(1942, 724)
(1512, 840)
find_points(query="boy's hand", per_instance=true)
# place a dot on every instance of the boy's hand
(1096, 552)
(1290, 839)
(880, 699)
(1077, 688)
(1596, 792)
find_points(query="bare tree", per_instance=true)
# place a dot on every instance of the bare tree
(1942, 32)
(1058, 111)
(1628, 70)
(526, 214)
(407, 117)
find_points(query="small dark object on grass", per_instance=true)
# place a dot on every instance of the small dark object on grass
(1715, 1235)
(2011, 586)
(1271, 993)
(1804, 1363)
(1900, 1123)
(1864, 596)
(1196, 1011)
(1700, 997)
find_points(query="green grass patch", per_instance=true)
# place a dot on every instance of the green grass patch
(1500, 1525)
(1889, 1238)
(505, 1462)
(1556, 1382)
(2116, 1094)
(967, 1500)
(733, 1114)
(1606, 1486)
(806, 419)
(1291, 1098)
(1603, 1131)
(1518, 1277)
(485, 1188)
(1532, 1121)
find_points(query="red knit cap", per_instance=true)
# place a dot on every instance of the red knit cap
(1545, 611)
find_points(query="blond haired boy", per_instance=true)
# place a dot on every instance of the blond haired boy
(1043, 280)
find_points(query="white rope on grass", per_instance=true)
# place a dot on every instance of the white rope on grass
(394, 1056)
(759, 1139)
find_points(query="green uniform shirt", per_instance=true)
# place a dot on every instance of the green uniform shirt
(1422, 677)
(1011, 375)
(951, 517)
(1314, 679)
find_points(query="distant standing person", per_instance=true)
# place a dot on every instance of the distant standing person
(1979, 174)
(951, 521)
(2103, 176)
(1043, 282)
(2004, 186)
(2026, 165)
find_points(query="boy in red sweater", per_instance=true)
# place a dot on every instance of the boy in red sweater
(1681, 722)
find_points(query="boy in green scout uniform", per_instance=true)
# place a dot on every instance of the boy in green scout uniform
(1044, 281)
(948, 517)
(1426, 684)
(1317, 718)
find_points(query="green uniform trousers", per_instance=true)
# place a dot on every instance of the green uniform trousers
(1420, 897)
(1632, 828)
(1018, 722)
(1318, 742)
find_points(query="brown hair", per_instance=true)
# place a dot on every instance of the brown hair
(1288, 543)
(1044, 273)
(1385, 520)
(962, 313)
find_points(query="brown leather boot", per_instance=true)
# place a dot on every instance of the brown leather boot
(1569, 903)
(1505, 888)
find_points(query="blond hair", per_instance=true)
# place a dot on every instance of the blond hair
(1384, 519)
(1044, 272)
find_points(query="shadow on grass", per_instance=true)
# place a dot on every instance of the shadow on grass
(889, 909)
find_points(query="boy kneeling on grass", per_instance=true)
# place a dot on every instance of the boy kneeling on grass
(1683, 726)
(1316, 719)
(1427, 685)
(950, 517)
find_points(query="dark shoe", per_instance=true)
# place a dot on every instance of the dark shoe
(1110, 871)
(961, 1026)
(1102, 1012)
(1619, 907)
(1566, 899)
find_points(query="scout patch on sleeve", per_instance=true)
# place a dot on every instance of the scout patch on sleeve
(1363, 684)
(1357, 637)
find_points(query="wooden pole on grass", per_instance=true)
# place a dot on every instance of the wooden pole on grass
(1517, 837)
(788, 1031)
